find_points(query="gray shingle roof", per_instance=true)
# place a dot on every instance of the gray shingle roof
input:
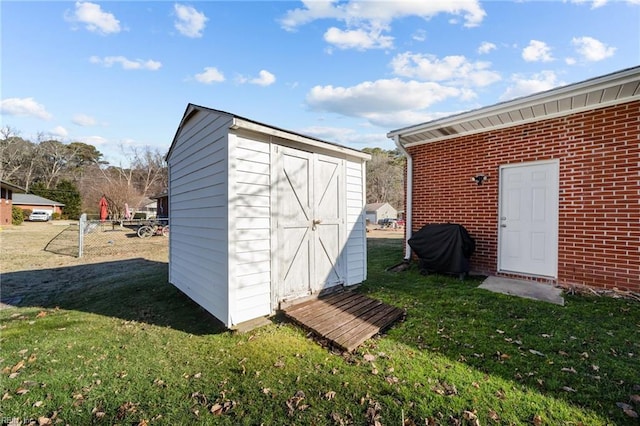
(34, 200)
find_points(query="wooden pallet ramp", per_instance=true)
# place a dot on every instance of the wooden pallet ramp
(346, 319)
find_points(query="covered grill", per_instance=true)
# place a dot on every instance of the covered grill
(443, 248)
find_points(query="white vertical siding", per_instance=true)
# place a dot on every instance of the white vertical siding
(250, 241)
(356, 248)
(198, 188)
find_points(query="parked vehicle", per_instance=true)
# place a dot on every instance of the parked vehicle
(38, 216)
(388, 223)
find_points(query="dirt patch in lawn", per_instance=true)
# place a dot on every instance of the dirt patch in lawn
(376, 232)
(38, 260)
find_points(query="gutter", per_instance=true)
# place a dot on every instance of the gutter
(408, 228)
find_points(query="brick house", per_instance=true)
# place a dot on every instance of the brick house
(548, 184)
(6, 201)
(35, 202)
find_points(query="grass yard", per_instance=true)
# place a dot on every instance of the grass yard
(136, 351)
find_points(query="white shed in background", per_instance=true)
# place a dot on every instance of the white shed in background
(261, 215)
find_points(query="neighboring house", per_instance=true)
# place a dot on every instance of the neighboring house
(7, 193)
(148, 207)
(547, 184)
(162, 205)
(36, 202)
(260, 215)
(377, 211)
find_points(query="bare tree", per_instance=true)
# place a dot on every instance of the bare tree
(385, 178)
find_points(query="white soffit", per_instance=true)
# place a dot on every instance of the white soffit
(611, 89)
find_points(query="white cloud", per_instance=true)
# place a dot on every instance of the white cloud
(359, 39)
(594, 3)
(59, 131)
(265, 79)
(210, 75)
(94, 18)
(366, 21)
(486, 47)
(523, 86)
(83, 120)
(382, 101)
(592, 50)
(450, 68)
(380, 11)
(419, 35)
(189, 22)
(346, 136)
(537, 51)
(24, 107)
(127, 64)
(94, 140)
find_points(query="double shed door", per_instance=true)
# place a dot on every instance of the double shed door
(309, 215)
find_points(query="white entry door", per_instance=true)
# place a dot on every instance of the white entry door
(309, 220)
(528, 219)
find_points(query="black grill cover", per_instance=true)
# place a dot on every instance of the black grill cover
(443, 248)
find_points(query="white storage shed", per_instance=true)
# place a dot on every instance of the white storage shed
(261, 215)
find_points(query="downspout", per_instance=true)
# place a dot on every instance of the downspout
(408, 213)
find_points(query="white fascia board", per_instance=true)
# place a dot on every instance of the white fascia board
(553, 95)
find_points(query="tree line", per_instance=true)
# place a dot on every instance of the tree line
(385, 177)
(77, 175)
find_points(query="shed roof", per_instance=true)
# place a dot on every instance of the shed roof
(239, 122)
(34, 200)
(611, 89)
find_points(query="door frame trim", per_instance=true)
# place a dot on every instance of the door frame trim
(557, 225)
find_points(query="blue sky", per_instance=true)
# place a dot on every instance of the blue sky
(120, 74)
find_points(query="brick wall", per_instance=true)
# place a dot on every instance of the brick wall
(5, 212)
(599, 217)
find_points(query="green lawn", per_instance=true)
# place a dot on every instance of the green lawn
(139, 352)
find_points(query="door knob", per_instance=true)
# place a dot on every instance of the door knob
(314, 223)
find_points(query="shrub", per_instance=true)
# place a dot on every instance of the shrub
(55, 216)
(17, 215)
(26, 213)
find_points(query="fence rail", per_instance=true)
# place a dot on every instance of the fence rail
(118, 237)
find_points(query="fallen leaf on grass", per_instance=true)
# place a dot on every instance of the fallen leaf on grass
(329, 395)
(218, 409)
(627, 410)
(279, 364)
(569, 370)
(471, 418)
(41, 314)
(568, 389)
(444, 388)
(392, 380)
(293, 403)
(38, 404)
(160, 383)
(494, 416)
(533, 351)
(98, 413)
(124, 409)
(635, 398)
(17, 367)
(6, 396)
(21, 391)
(42, 421)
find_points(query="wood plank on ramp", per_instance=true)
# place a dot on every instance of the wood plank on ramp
(346, 319)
